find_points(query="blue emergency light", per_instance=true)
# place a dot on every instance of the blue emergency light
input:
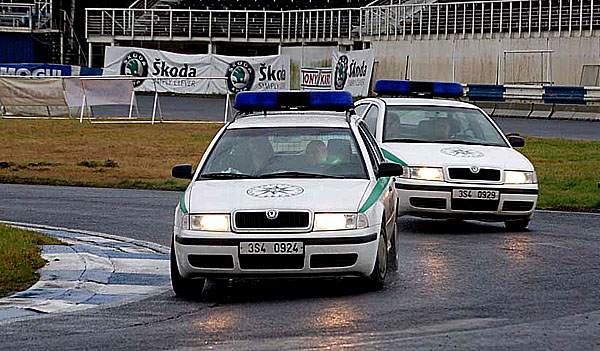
(302, 100)
(414, 88)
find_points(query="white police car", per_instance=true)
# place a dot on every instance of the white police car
(294, 186)
(457, 162)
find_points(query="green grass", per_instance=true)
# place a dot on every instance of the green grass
(141, 157)
(568, 173)
(20, 258)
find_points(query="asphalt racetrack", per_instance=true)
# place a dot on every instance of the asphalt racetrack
(461, 285)
(213, 109)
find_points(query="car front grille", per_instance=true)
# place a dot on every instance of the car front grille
(517, 206)
(464, 173)
(271, 261)
(428, 202)
(285, 220)
(475, 205)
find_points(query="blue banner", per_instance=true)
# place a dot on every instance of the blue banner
(35, 70)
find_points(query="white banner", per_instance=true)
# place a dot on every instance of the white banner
(242, 73)
(32, 92)
(98, 92)
(352, 71)
(315, 78)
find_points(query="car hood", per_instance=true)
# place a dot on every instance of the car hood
(318, 195)
(437, 155)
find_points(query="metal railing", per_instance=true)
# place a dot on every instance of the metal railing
(392, 22)
(16, 16)
(483, 19)
(234, 25)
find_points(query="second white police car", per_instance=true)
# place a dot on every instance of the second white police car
(294, 186)
(458, 163)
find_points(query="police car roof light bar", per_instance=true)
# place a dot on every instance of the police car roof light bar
(418, 89)
(293, 100)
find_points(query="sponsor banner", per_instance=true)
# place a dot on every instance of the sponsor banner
(35, 70)
(170, 67)
(352, 71)
(315, 78)
(242, 73)
(257, 73)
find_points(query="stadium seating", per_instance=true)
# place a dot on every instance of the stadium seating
(274, 5)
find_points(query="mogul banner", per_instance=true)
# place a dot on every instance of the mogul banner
(176, 72)
(315, 78)
(352, 71)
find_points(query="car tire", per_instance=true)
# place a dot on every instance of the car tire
(393, 254)
(517, 224)
(377, 278)
(186, 288)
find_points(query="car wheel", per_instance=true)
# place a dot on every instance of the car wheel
(393, 255)
(183, 287)
(377, 278)
(517, 224)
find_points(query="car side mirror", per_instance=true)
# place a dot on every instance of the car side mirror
(516, 141)
(182, 171)
(389, 169)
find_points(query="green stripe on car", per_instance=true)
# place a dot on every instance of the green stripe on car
(375, 193)
(182, 205)
(390, 156)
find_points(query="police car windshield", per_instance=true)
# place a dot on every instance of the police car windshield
(309, 152)
(439, 124)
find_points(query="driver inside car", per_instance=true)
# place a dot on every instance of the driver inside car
(315, 153)
(261, 152)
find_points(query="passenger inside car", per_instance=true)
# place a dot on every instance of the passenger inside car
(315, 154)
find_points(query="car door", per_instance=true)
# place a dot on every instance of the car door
(376, 156)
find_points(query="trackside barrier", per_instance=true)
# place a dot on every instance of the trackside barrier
(564, 95)
(536, 101)
(38, 95)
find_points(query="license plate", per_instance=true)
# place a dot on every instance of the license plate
(475, 194)
(271, 248)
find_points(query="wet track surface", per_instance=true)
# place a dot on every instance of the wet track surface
(461, 285)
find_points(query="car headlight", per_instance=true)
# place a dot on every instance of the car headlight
(425, 173)
(208, 222)
(519, 177)
(340, 221)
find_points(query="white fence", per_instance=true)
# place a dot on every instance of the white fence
(25, 96)
(25, 15)
(392, 22)
(16, 17)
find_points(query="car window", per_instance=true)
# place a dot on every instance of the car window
(360, 109)
(264, 152)
(439, 124)
(371, 119)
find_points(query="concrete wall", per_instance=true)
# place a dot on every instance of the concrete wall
(482, 60)
(307, 56)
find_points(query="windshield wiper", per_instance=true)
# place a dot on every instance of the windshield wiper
(225, 175)
(453, 141)
(406, 140)
(293, 174)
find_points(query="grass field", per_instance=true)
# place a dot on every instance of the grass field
(109, 155)
(141, 156)
(20, 257)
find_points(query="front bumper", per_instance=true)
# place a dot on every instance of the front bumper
(343, 253)
(435, 201)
